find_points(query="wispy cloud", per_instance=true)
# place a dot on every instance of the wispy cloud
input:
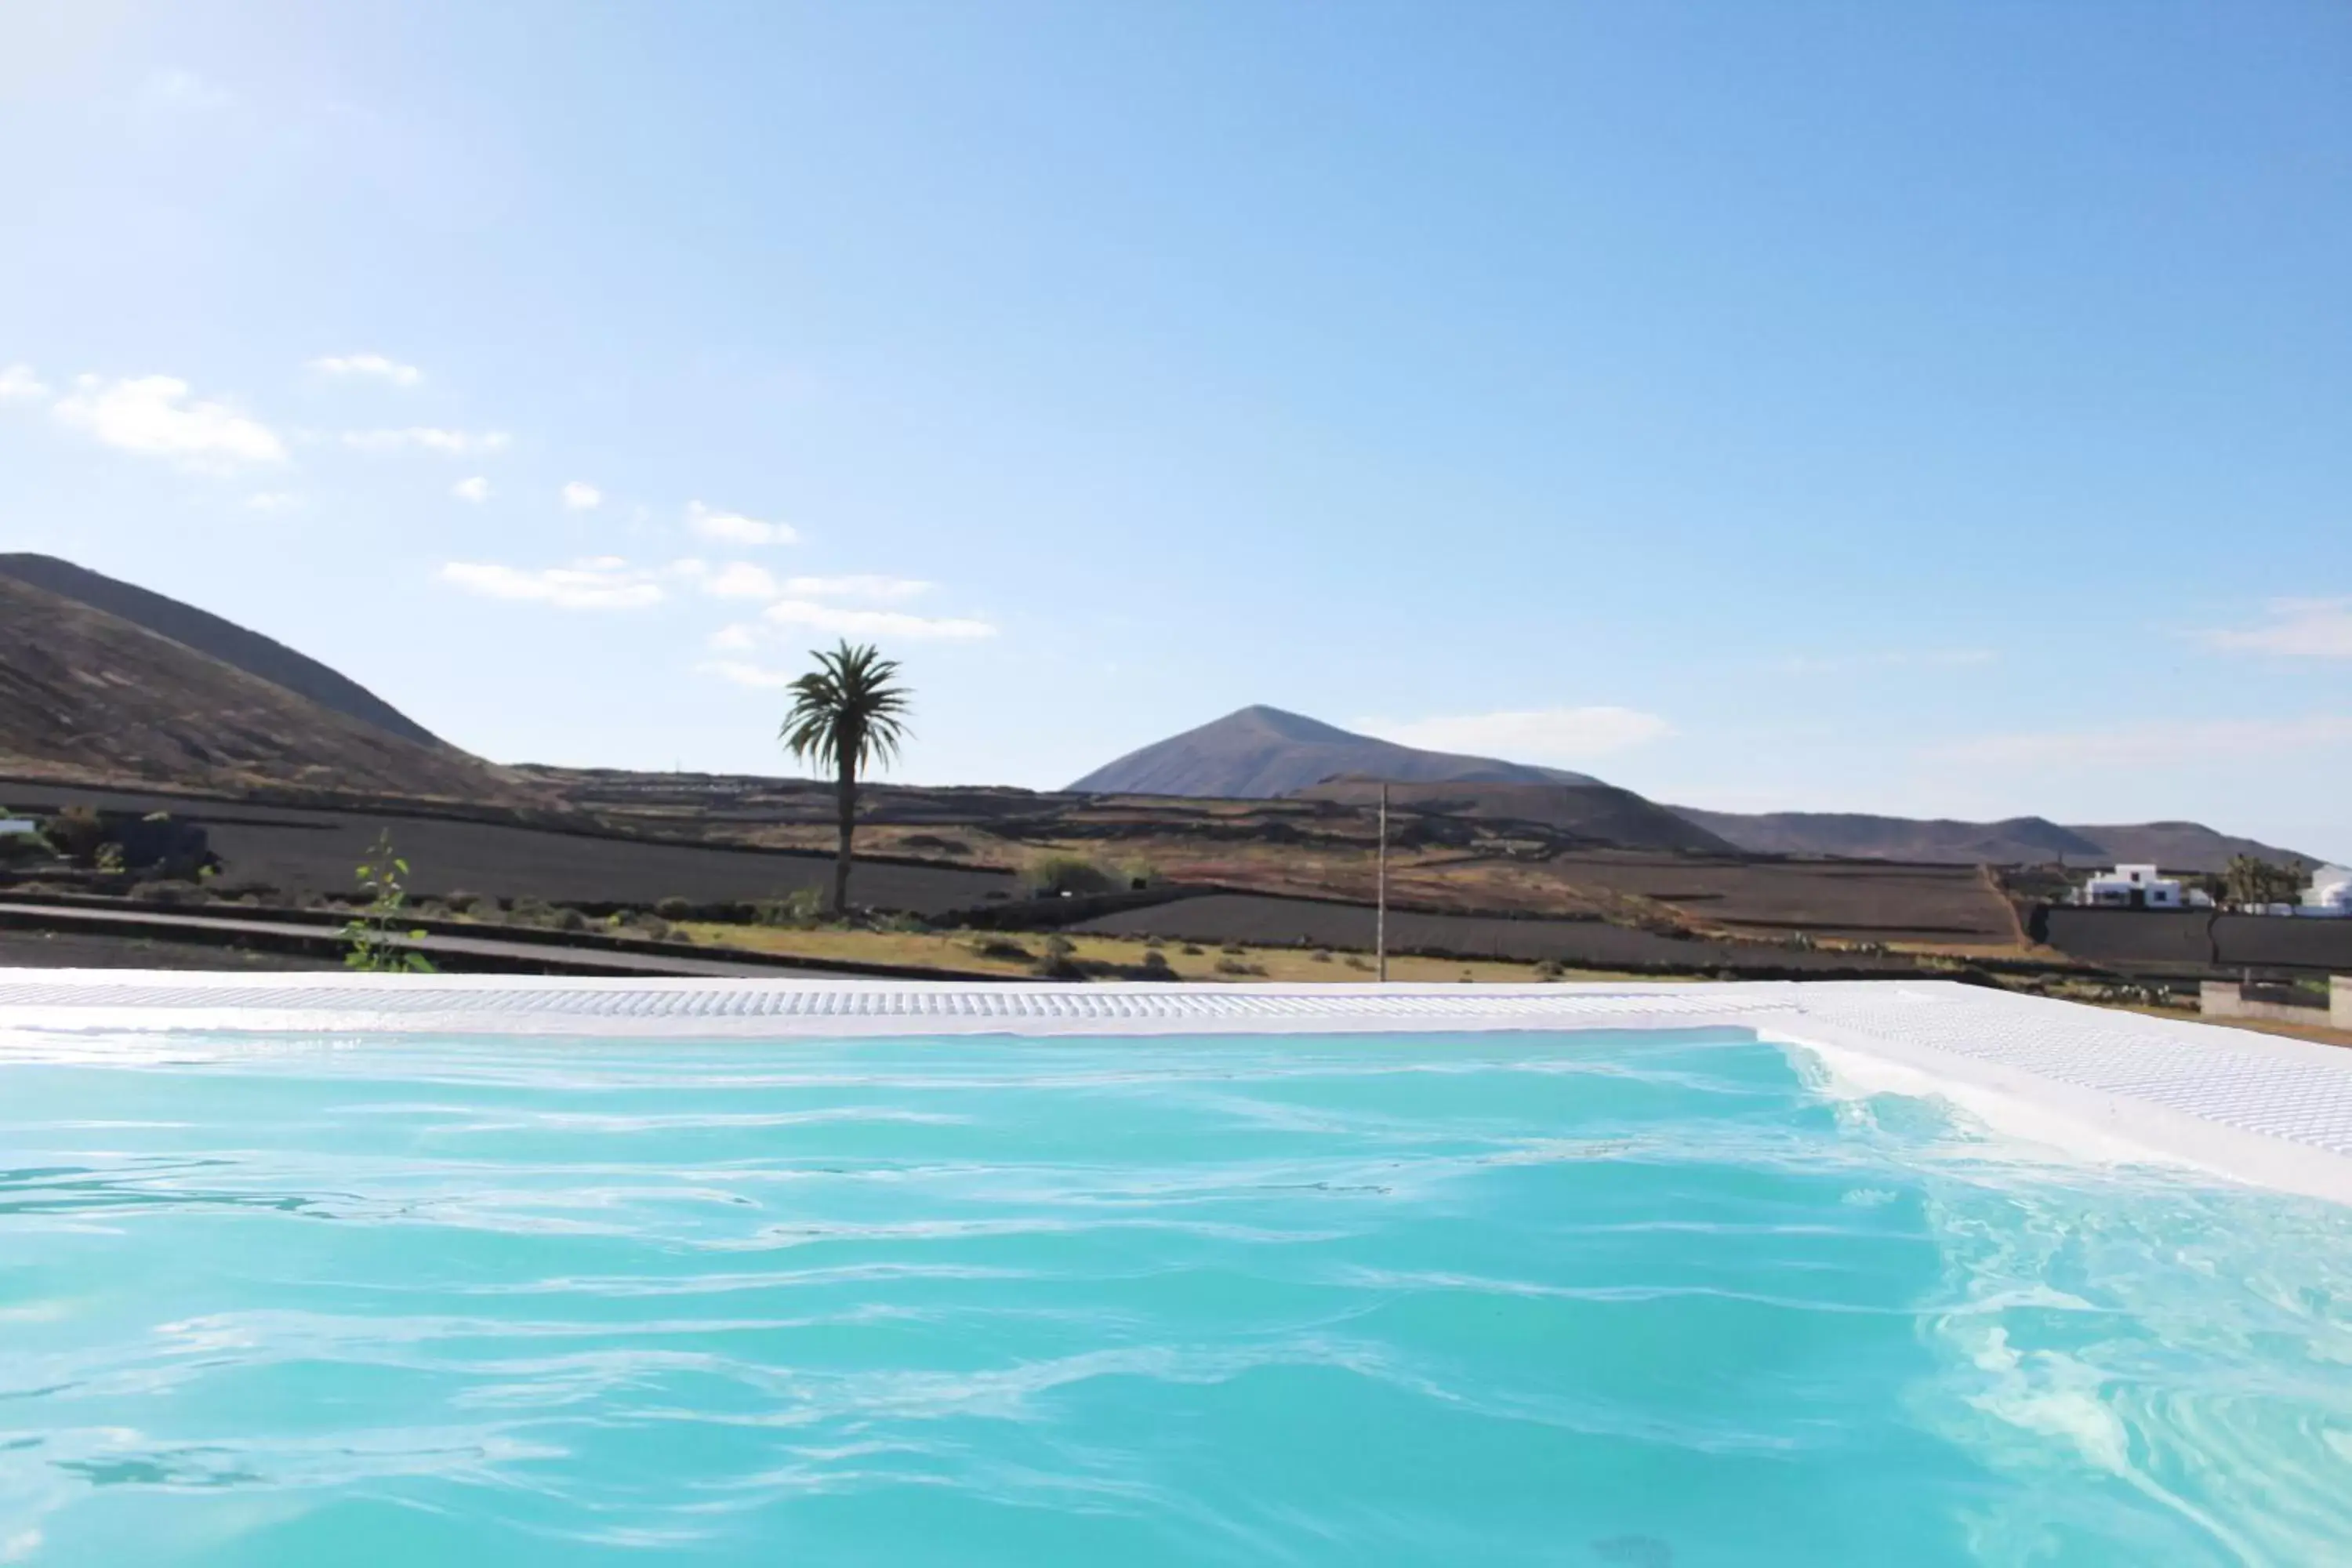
(17, 383)
(2298, 628)
(420, 437)
(855, 586)
(813, 615)
(581, 496)
(599, 582)
(273, 501)
(734, 528)
(758, 676)
(369, 367)
(476, 490)
(1888, 658)
(159, 416)
(2239, 742)
(174, 89)
(1532, 735)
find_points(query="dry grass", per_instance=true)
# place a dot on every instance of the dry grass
(960, 952)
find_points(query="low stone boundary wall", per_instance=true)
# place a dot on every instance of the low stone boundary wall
(2229, 999)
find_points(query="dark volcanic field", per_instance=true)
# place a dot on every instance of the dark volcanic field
(300, 849)
(1213, 918)
(2166, 940)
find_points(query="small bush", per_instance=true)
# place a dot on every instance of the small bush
(530, 910)
(1356, 960)
(1056, 875)
(1003, 948)
(1550, 969)
(797, 909)
(673, 909)
(1236, 966)
(1058, 960)
(460, 902)
(1232, 949)
(1156, 966)
(569, 920)
(1321, 955)
(76, 832)
(1191, 950)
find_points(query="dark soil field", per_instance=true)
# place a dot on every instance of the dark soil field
(301, 850)
(1216, 918)
(79, 949)
(2198, 939)
(1852, 901)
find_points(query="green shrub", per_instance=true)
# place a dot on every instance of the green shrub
(1055, 874)
(460, 902)
(1236, 966)
(1059, 962)
(1191, 950)
(1156, 966)
(1003, 948)
(673, 909)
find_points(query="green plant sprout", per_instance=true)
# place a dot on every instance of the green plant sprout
(371, 942)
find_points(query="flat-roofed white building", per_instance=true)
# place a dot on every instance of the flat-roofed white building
(2330, 892)
(2131, 887)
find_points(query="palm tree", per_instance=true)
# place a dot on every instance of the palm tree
(846, 715)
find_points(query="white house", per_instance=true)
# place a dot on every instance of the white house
(2131, 887)
(2330, 892)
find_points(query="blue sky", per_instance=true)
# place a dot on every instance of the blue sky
(1934, 409)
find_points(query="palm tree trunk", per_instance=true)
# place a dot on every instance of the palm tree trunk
(847, 800)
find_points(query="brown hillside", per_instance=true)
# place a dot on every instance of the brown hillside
(85, 695)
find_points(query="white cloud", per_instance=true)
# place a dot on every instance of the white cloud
(174, 88)
(581, 496)
(1535, 735)
(272, 500)
(156, 417)
(2246, 743)
(2300, 629)
(753, 675)
(855, 586)
(373, 366)
(457, 443)
(734, 639)
(17, 381)
(734, 528)
(832, 619)
(740, 580)
(1897, 658)
(599, 582)
(476, 490)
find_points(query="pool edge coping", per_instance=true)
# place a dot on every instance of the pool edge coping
(2262, 1122)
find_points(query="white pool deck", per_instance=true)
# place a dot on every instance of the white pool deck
(2255, 1107)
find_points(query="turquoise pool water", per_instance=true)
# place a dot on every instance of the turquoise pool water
(1646, 1298)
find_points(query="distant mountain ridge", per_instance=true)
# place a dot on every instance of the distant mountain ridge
(2018, 841)
(265, 658)
(1261, 752)
(87, 696)
(1596, 810)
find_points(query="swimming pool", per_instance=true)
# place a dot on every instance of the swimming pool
(291, 1283)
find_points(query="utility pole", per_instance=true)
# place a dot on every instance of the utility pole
(1381, 921)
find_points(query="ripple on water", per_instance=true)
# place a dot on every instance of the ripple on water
(1642, 1299)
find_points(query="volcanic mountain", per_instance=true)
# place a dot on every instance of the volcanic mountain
(1260, 752)
(263, 658)
(90, 695)
(2018, 841)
